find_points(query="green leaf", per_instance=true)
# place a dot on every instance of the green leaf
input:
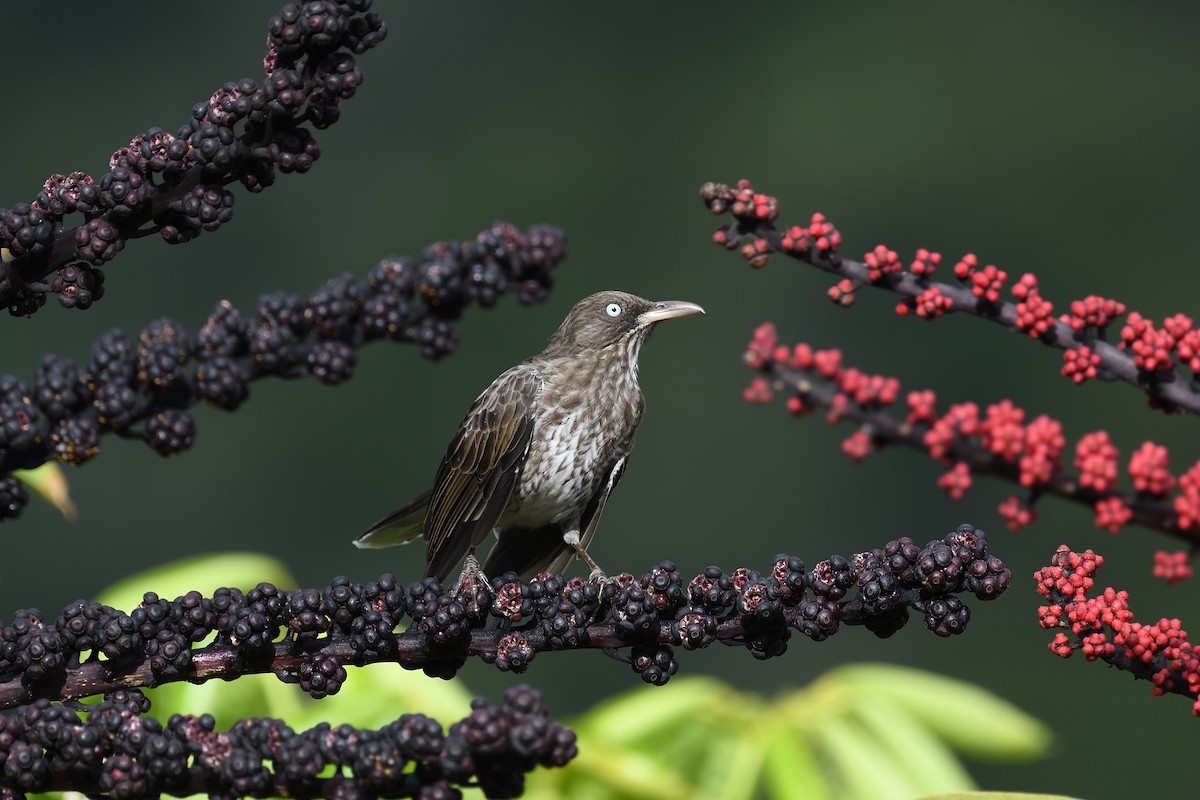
(999, 731)
(862, 765)
(604, 771)
(791, 770)
(657, 709)
(742, 763)
(49, 482)
(928, 763)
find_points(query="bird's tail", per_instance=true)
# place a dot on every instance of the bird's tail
(400, 527)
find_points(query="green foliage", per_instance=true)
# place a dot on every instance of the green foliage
(49, 483)
(861, 731)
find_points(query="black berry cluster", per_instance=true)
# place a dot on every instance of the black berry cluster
(175, 183)
(143, 386)
(113, 748)
(876, 589)
(309, 637)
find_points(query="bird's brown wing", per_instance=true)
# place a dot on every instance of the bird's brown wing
(476, 478)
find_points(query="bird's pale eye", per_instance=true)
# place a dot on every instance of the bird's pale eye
(613, 309)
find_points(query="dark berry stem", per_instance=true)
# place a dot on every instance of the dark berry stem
(309, 637)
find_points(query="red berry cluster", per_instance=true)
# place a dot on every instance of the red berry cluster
(759, 391)
(929, 304)
(924, 263)
(749, 203)
(881, 261)
(1189, 350)
(761, 349)
(1093, 311)
(1103, 627)
(956, 482)
(1017, 513)
(726, 238)
(739, 200)
(825, 236)
(999, 439)
(1036, 448)
(1003, 431)
(1112, 513)
(857, 445)
(1042, 454)
(1096, 460)
(866, 389)
(1151, 347)
(1187, 502)
(1034, 313)
(921, 407)
(842, 292)
(1080, 364)
(985, 283)
(819, 232)
(1148, 469)
(796, 240)
(961, 420)
(1172, 567)
(1156, 348)
(757, 253)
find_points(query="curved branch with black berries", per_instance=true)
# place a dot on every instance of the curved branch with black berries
(997, 439)
(173, 185)
(154, 378)
(308, 637)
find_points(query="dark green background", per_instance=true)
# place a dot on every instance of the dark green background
(1058, 139)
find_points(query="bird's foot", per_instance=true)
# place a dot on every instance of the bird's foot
(471, 581)
(597, 576)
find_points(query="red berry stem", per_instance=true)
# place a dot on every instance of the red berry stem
(1102, 627)
(1145, 358)
(995, 440)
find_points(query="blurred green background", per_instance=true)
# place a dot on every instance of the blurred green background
(1058, 139)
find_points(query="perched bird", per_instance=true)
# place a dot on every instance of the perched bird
(540, 451)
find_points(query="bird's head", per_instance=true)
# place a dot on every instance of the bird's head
(615, 319)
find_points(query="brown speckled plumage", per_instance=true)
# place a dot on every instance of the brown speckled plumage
(541, 449)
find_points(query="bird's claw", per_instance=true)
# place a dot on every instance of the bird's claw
(598, 579)
(471, 580)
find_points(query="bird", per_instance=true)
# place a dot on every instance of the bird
(540, 450)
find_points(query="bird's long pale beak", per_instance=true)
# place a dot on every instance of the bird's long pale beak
(668, 309)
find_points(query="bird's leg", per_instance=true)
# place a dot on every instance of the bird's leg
(597, 577)
(471, 578)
